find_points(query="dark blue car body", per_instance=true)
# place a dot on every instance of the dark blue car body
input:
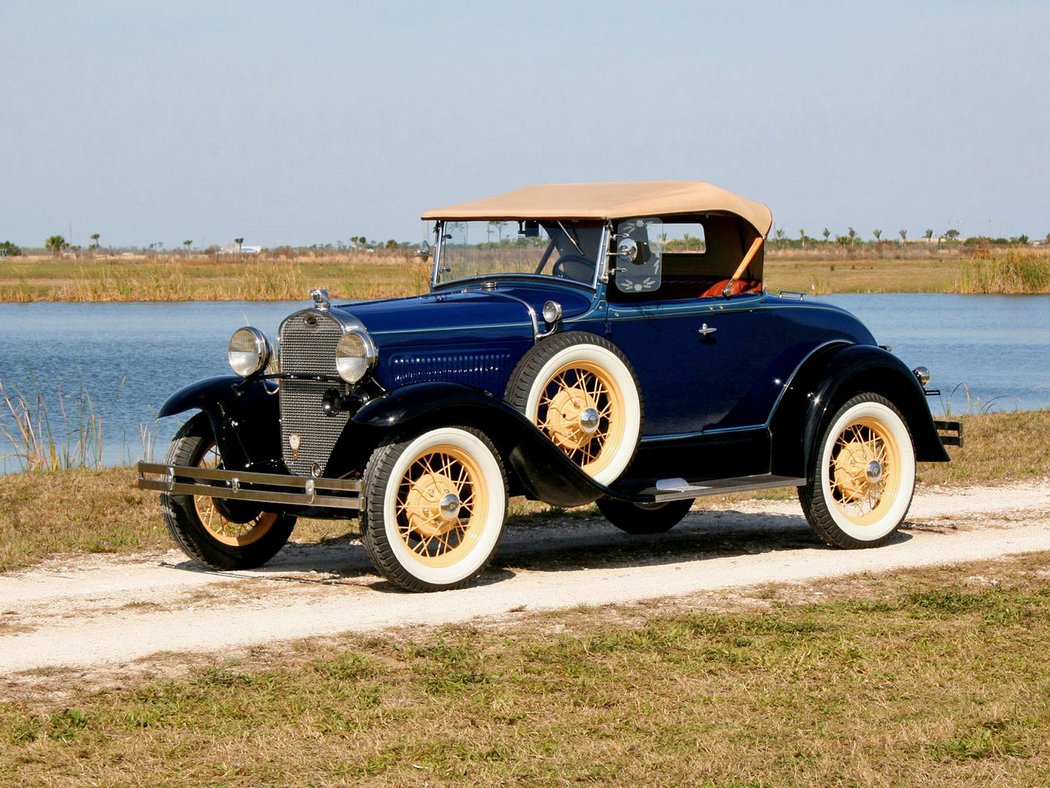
(736, 386)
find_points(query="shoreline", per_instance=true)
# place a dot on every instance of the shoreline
(184, 278)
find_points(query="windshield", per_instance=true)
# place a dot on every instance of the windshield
(565, 250)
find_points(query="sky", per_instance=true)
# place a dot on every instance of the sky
(312, 122)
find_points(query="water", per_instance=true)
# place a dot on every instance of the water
(986, 353)
(130, 357)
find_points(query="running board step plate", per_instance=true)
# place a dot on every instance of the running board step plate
(677, 489)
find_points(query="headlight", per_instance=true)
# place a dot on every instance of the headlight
(249, 351)
(354, 355)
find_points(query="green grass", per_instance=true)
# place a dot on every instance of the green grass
(923, 677)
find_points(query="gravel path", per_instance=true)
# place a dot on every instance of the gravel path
(97, 611)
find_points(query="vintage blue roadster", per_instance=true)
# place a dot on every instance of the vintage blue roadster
(617, 346)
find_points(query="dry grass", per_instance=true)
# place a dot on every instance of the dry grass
(863, 275)
(365, 276)
(200, 278)
(1015, 272)
(933, 677)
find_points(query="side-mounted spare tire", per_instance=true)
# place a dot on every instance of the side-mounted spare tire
(582, 393)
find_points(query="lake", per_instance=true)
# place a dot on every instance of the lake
(985, 353)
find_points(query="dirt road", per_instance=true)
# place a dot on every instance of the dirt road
(98, 611)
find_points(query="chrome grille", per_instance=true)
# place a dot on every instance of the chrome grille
(308, 341)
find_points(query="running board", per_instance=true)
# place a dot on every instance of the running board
(677, 489)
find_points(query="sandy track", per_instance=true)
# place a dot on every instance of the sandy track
(111, 611)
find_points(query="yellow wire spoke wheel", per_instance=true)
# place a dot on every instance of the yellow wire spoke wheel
(580, 391)
(862, 474)
(865, 470)
(441, 505)
(221, 528)
(433, 508)
(218, 534)
(581, 409)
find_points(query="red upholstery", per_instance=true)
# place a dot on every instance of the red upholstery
(737, 287)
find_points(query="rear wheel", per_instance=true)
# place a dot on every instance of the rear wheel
(217, 533)
(861, 476)
(434, 507)
(644, 518)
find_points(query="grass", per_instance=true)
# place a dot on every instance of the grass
(201, 278)
(933, 677)
(44, 514)
(364, 276)
(40, 441)
(1015, 272)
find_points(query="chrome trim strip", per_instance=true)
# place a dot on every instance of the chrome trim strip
(237, 485)
(528, 307)
(471, 327)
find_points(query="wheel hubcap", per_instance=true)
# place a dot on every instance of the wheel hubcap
(874, 471)
(590, 419)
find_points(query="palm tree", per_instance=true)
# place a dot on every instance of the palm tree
(903, 234)
(827, 234)
(94, 240)
(187, 243)
(802, 237)
(928, 235)
(852, 235)
(877, 233)
(240, 245)
(55, 244)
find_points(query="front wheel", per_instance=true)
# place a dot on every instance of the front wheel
(861, 476)
(644, 518)
(217, 533)
(433, 508)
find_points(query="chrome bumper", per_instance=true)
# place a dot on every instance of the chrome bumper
(249, 486)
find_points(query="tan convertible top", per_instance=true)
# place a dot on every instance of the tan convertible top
(608, 201)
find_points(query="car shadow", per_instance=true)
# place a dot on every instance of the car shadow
(569, 543)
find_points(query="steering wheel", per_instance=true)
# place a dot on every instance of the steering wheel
(562, 267)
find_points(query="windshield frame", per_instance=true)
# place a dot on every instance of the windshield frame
(599, 265)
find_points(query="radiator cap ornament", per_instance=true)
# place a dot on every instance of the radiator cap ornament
(321, 299)
(294, 440)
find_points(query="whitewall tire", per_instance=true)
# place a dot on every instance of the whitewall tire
(433, 508)
(862, 474)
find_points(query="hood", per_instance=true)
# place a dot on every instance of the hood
(470, 307)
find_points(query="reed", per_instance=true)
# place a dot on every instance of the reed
(38, 440)
(1016, 272)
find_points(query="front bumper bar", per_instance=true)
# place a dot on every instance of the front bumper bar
(950, 432)
(248, 486)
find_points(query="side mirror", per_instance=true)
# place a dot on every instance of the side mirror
(627, 250)
(423, 252)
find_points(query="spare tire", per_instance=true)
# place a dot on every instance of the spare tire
(582, 393)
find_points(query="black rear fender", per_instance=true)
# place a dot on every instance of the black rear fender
(540, 468)
(827, 379)
(244, 416)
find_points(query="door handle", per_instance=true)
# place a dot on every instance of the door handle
(706, 329)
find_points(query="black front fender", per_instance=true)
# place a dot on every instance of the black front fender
(542, 469)
(828, 379)
(244, 416)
